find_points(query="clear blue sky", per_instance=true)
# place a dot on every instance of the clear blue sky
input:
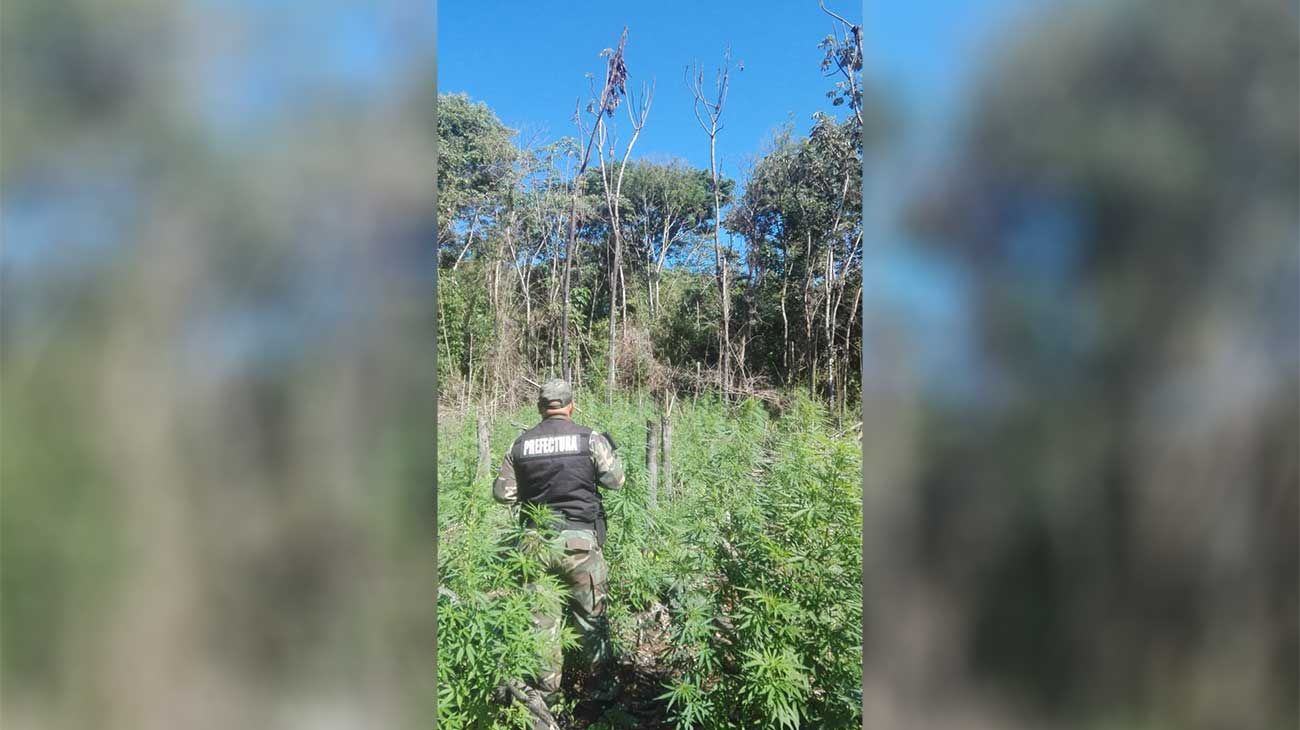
(528, 62)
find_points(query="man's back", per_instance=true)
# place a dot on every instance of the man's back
(553, 467)
(561, 465)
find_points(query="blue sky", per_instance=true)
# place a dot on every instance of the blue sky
(528, 62)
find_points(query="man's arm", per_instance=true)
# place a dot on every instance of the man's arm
(504, 488)
(609, 471)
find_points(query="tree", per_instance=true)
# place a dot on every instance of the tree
(801, 218)
(708, 112)
(612, 188)
(475, 156)
(844, 52)
(611, 93)
(669, 206)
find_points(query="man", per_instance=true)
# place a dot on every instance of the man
(560, 466)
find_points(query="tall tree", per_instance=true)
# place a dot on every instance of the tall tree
(708, 112)
(612, 187)
(669, 206)
(475, 155)
(611, 94)
(802, 221)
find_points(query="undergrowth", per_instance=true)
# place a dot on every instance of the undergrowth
(738, 598)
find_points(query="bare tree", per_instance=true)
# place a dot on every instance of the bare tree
(610, 95)
(708, 112)
(637, 113)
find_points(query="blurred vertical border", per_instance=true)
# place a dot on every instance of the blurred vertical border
(218, 398)
(1082, 367)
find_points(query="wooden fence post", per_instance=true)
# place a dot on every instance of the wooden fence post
(484, 453)
(667, 441)
(652, 459)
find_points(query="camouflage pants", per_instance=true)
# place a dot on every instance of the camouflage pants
(580, 563)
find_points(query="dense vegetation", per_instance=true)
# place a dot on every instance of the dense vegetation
(736, 602)
(629, 273)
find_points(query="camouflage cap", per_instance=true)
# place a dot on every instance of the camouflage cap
(554, 393)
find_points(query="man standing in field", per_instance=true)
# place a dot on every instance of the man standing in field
(559, 465)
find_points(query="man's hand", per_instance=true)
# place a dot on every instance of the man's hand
(504, 489)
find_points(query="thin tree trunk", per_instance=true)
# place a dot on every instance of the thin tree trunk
(615, 59)
(720, 261)
(622, 288)
(469, 239)
(612, 198)
(613, 321)
(713, 112)
(785, 324)
(564, 281)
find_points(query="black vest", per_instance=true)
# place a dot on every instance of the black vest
(553, 467)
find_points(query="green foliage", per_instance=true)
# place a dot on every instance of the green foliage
(801, 216)
(752, 556)
(465, 325)
(687, 329)
(667, 203)
(507, 208)
(475, 159)
(484, 613)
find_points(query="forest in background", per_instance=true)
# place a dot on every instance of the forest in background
(570, 257)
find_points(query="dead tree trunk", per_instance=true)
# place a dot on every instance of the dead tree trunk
(610, 95)
(708, 112)
(637, 113)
